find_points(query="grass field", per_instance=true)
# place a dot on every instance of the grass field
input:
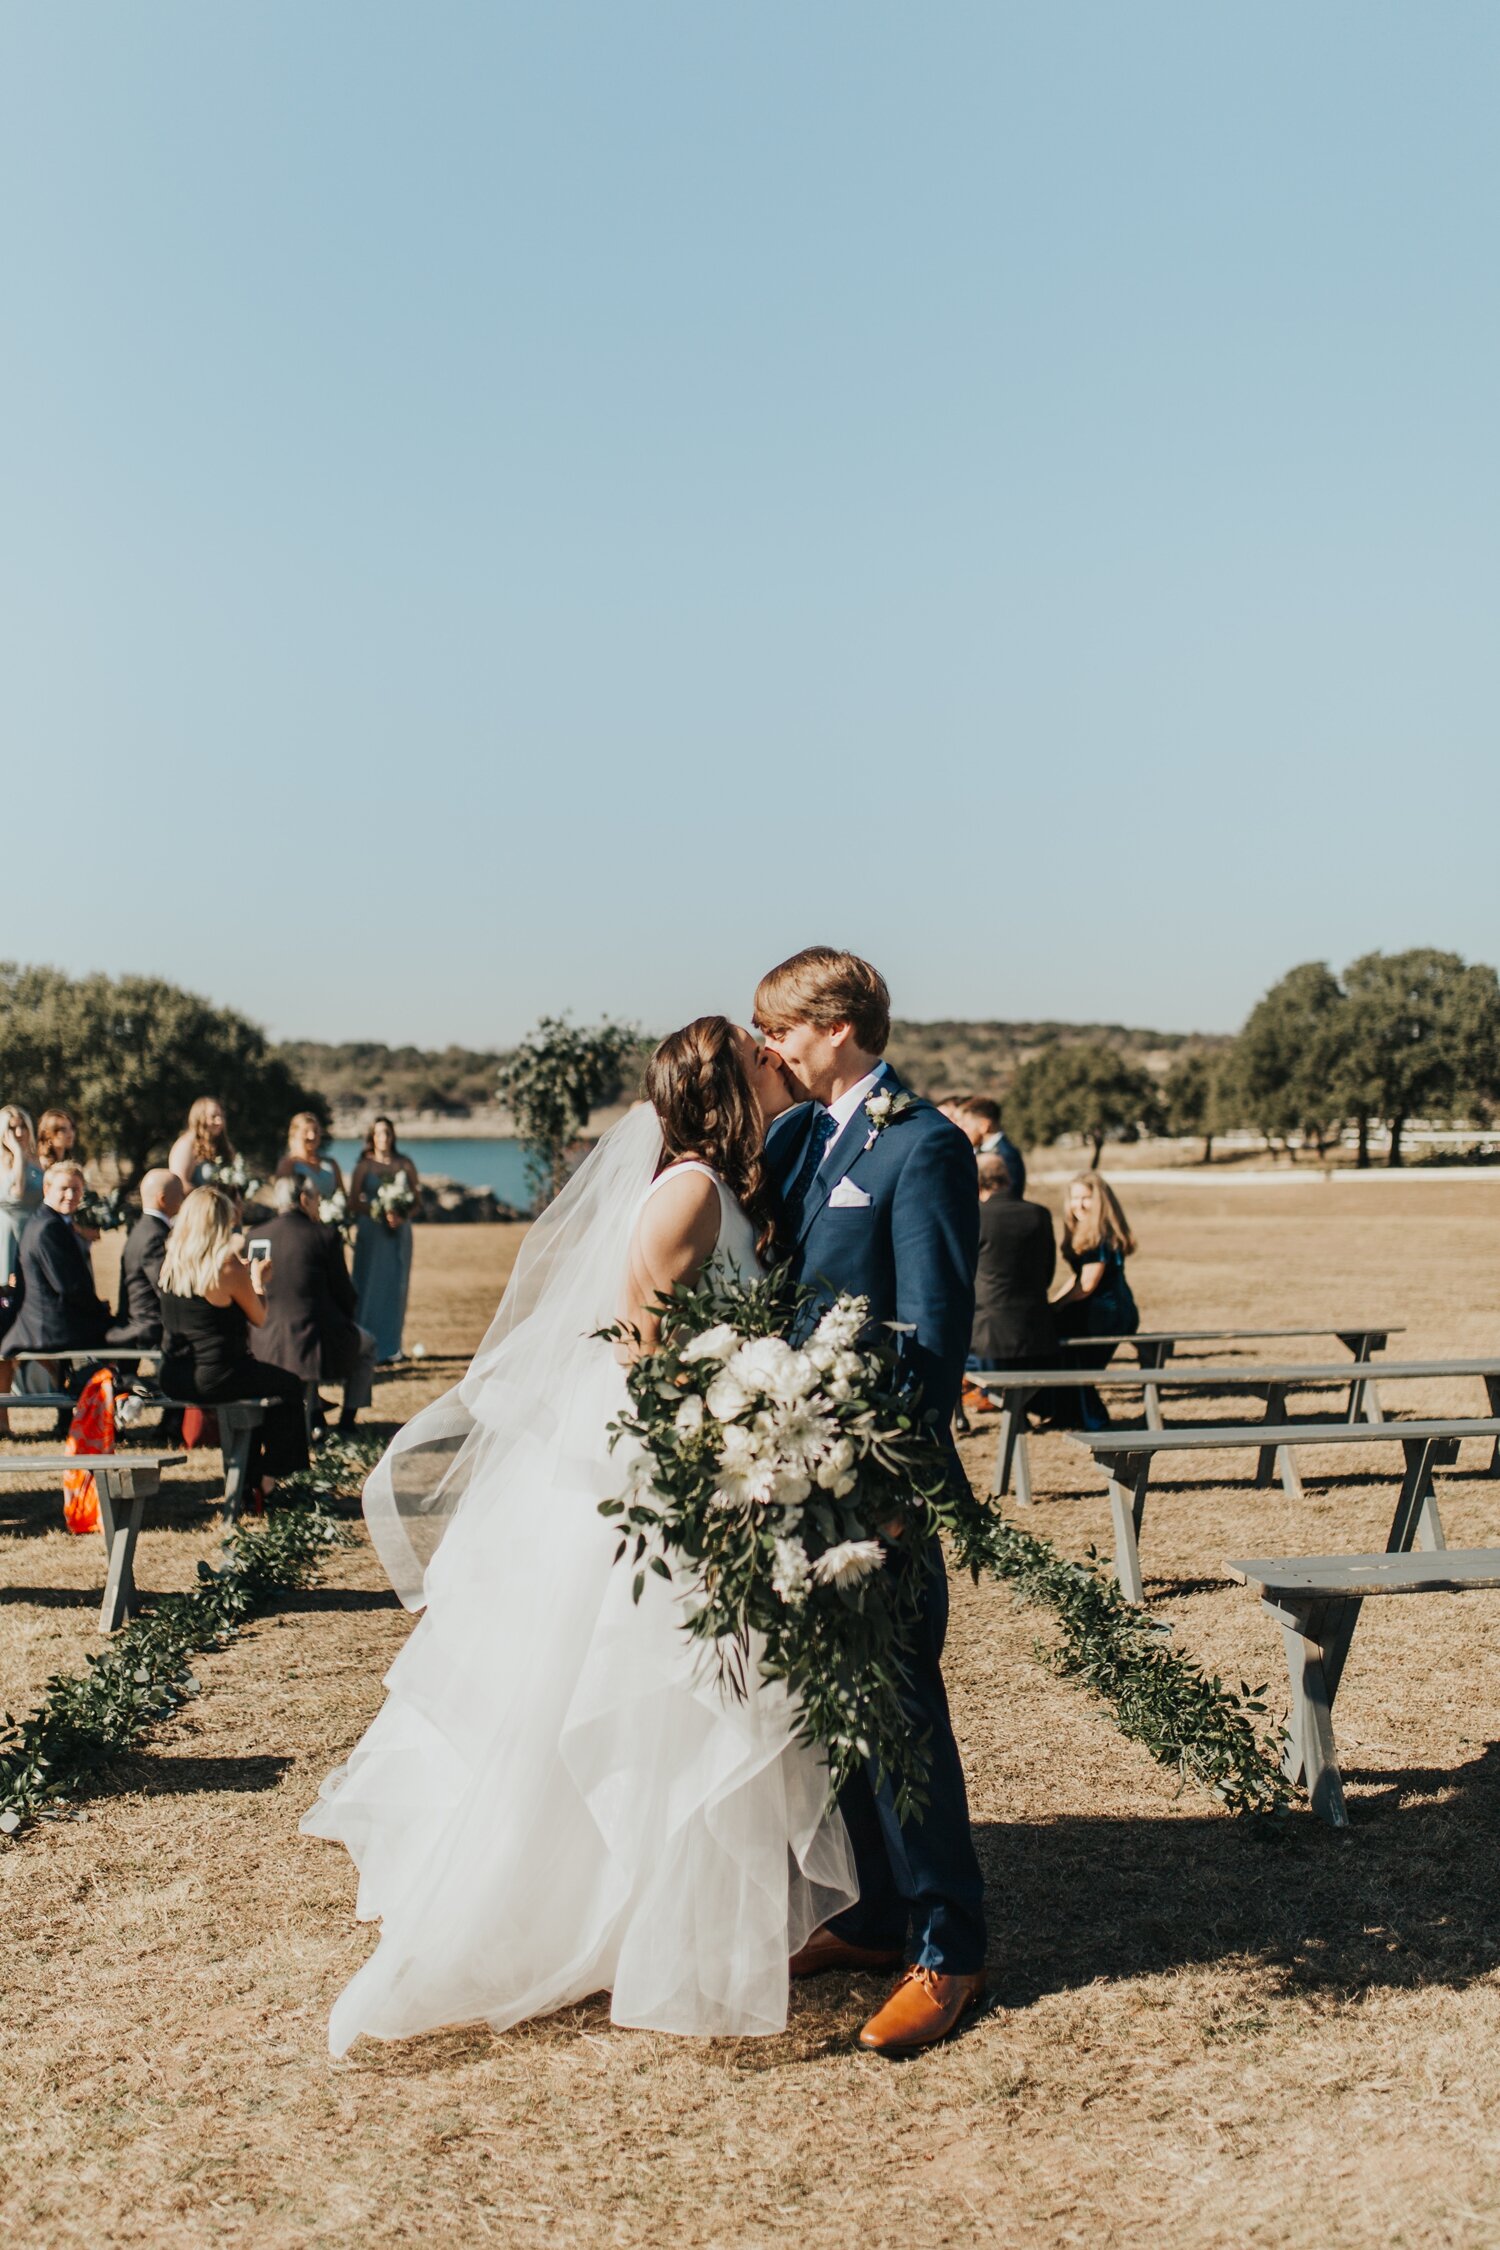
(1205, 2035)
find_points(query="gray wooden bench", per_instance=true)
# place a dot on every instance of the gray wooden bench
(124, 1484)
(1016, 1387)
(239, 1419)
(1127, 1458)
(1316, 1600)
(1155, 1346)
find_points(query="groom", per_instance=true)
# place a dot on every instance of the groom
(878, 1198)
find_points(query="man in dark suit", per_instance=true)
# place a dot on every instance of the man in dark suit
(979, 1117)
(877, 1198)
(1017, 1260)
(310, 1325)
(60, 1309)
(138, 1320)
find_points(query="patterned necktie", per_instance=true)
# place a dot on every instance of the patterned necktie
(817, 1148)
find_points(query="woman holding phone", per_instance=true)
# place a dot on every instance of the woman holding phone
(211, 1297)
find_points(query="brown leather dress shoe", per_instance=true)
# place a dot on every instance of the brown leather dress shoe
(924, 2008)
(825, 1949)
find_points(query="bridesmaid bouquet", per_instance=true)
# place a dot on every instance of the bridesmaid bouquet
(102, 1212)
(232, 1175)
(393, 1200)
(789, 1490)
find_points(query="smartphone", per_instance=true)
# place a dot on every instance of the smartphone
(257, 1248)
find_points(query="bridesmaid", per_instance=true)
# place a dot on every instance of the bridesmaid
(304, 1158)
(382, 1247)
(1096, 1242)
(20, 1195)
(202, 1145)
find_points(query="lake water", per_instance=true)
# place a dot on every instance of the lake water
(500, 1165)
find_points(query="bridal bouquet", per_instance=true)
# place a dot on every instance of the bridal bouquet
(789, 1491)
(393, 1199)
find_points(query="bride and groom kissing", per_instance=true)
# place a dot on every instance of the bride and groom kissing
(558, 1798)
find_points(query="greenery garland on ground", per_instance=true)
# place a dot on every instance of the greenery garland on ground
(87, 1719)
(1184, 1716)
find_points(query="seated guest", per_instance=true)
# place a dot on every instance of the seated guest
(211, 1298)
(202, 1145)
(60, 1308)
(138, 1321)
(304, 1158)
(979, 1117)
(310, 1325)
(1017, 1259)
(1096, 1242)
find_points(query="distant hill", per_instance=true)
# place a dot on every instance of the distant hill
(937, 1058)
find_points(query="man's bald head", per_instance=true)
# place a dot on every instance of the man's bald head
(162, 1191)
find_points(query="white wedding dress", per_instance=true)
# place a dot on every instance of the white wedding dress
(557, 1796)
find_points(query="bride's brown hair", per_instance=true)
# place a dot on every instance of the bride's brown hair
(697, 1086)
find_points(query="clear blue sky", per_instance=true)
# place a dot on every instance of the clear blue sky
(519, 507)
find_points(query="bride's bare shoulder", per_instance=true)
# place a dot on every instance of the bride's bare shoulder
(681, 1213)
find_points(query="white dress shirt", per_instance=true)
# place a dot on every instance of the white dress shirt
(843, 1109)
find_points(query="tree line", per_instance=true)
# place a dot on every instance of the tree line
(1399, 1036)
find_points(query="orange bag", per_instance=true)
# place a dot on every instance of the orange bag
(92, 1430)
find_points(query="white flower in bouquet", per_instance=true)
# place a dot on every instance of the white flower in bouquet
(789, 1570)
(801, 1435)
(842, 1324)
(790, 1488)
(725, 1397)
(688, 1420)
(835, 1469)
(719, 1342)
(849, 1562)
(333, 1208)
(763, 1364)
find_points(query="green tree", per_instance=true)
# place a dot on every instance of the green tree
(1198, 1095)
(129, 1056)
(1081, 1089)
(554, 1081)
(1424, 1036)
(1291, 1060)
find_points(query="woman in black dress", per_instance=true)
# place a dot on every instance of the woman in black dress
(1096, 1242)
(210, 1299)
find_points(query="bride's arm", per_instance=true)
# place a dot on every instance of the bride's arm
(675, 1237)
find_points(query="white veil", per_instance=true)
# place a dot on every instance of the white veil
(532, 1364)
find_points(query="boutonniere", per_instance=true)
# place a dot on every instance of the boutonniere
(883, 1108)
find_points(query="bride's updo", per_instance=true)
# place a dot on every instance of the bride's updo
(697, 1086)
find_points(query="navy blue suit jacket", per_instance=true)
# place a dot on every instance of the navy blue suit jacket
(59, 1305)
(912, 1249)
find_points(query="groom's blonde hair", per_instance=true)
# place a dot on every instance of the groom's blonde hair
(822, 986)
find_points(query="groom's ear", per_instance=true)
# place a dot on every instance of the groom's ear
(839, 1033)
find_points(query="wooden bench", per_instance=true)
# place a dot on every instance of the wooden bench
(124, 1484)
(1316, 1600)
(1127, 1458)
(1018, 1386)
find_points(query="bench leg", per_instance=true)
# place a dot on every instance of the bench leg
(1005, 1444)
(1364, 1400)
(1023, 1463)
(1316, 1637)
(1416, 1522)
(1151, 1397)
(1492, 1393)
(122, 1500)
(1128, 1479)
(1270, 1455)
(236, 1435)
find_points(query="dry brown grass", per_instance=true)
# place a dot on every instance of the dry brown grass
(1204, 2038)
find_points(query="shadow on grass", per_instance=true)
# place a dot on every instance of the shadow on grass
(151, 1775)
(1404, 1898)
(338, 1598)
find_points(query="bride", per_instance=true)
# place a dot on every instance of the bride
(557, 1798)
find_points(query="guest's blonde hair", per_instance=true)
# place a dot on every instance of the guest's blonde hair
(63, 1169)
(824, 987)
(12, 1158)
(201, 1239)
(1104, 1225)
(209, 1148)
(303, 1117)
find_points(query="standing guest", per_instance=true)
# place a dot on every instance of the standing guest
(1017, 1260)
(202, 1145)
(310, 1325)
(20, 1184)
(1096, 1242)
(20, 1195)
(56, 1137)
(304, 1158)
(138, 1320)
(211, 1298)
(382, 1246)
(979, 1117)
(60, 1308)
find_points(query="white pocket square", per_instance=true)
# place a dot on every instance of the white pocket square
(847, 1197)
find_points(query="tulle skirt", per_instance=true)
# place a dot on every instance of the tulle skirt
(558, 1797)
